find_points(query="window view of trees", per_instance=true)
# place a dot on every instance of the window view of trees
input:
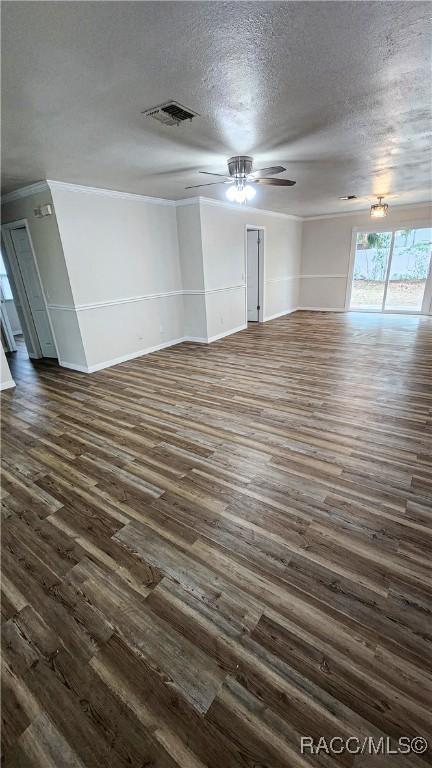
(411, 254)
(371, 255)
(410, 261)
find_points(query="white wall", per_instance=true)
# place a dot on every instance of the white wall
(146, 273)
(53, 272)
(192, 268)
(224, 258)
(153, 272)
(326, 252)
(6, 380)
(125, 274)
(123, 261)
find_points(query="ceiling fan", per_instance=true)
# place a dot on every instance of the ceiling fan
(240, 177)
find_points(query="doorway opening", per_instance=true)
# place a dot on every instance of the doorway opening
(391, 271)
(255, 274)
(21, 284)
(10, 325)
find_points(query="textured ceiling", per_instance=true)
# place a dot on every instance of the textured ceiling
(338, 92)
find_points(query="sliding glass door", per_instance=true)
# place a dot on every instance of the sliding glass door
(370, 270)
(410, 267)
(392, 271)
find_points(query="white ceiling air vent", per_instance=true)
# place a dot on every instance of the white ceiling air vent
(170, 113)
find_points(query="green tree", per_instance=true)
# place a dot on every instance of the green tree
(380, 241)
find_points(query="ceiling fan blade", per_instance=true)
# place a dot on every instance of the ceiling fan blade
(274, 182)
(270, 171)
(209, 173)
(209, 184)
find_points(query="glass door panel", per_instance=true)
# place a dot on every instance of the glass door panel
(370, 270)
(409, 270)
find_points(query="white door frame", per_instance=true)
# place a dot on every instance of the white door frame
(261, 293)
(393, 228)
(18, 283)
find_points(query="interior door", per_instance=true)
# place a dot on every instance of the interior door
(20, 297)
(253, 271)
(33, 289)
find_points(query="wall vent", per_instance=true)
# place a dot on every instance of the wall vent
(170, 113)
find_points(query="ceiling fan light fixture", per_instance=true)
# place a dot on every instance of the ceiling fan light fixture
(379, 210)
(239, 193)
(231, 193)
(243, 178)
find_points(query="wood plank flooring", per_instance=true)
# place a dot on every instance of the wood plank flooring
(213, 550)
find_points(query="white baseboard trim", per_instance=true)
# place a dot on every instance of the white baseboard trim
(122, 358)
(147, 351)
(73, 366)
(322, 309)
(226, 333)
(7, 384)
(210, 339)
(133, 355)
(280, 314)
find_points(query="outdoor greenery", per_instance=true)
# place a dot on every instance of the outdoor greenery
(376, 246)
(419, 266)
(373, 250)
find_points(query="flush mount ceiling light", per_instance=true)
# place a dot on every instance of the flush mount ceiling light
(241, 177)
(379, 210)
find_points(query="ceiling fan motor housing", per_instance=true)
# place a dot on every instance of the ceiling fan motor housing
(240, 166)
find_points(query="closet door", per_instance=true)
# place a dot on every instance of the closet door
(33, 290)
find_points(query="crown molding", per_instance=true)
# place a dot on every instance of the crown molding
(52, 185)
(360, 211)
(187, 201)
(49, 185)
(30, 189)
(63, 185)
(233, 206)
(237, 207)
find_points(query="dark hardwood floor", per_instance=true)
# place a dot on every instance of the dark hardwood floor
(211, 551)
